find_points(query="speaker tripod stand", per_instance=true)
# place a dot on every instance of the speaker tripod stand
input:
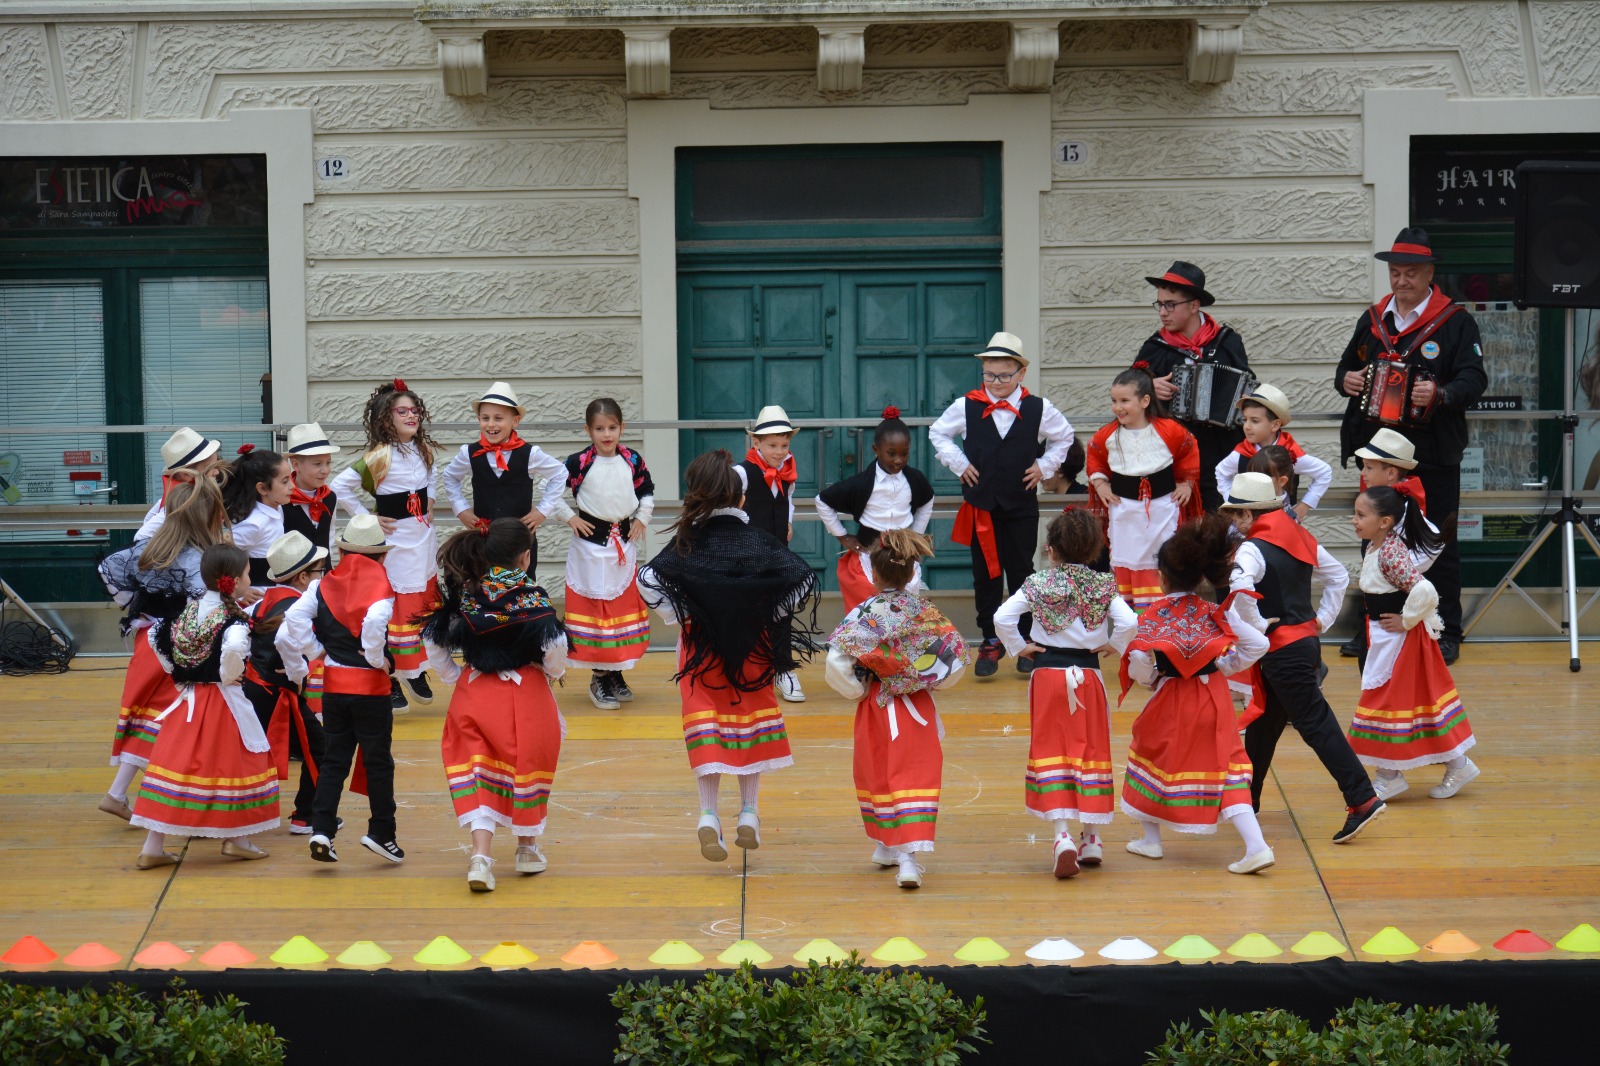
(1569, 520)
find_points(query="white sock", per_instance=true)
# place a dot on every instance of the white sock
(120, 783)
(749, 786)
(1152, 832)
(154, 843)
(1458, 763)
(1250, 830)
(486, 824)
(1389, 775)
(1063, 827)
(708, 784)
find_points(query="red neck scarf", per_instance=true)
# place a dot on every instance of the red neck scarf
(1282, 440)
(991, 406)
(499, 451)
(314, 503)
(1209, 328)
(786, 473)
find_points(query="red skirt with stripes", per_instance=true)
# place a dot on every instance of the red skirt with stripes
(1069, 752)
(146, 692)
(607, 634)
(500, 745)
(1415, 718)
(1187, 766)
(731, 732)
(201, 781)
(899, 763)
(405, 633)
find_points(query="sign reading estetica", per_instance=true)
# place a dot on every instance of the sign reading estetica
(78, 192)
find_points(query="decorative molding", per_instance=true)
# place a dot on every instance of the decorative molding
(98, 65)
(717, 45)
(530, 51)
(470, 164)
(1261, 278)
(647, 56)
(506, 293)
(26, 88)
(1091, 37)
(893, 88)
(340, 402)
(510, 103)
(1141, 214)
(477, 228)
(1564, 36)
(1225, 151)
(563, 351)
(1213, 47)
(1263, 88)
(463, 64)
(841, 55)
(1035, 47)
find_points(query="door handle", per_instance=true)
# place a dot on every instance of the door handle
(110, 490)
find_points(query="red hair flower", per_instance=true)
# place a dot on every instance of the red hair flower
(226, 585)
(1141, 364)
(1405, 488)
(400, 385)
(246, 449)
(891, 411)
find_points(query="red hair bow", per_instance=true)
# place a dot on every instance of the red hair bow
(400, 385)
(246, 449)
(226, 585)
(1141, 364)
(1405, 488)
(891, 411)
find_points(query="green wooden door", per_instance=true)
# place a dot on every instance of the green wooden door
(834, 344)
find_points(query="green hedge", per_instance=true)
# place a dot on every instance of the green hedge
(835, 1014)
(58, 1027)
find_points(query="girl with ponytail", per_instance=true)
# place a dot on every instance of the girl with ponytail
(889, 494)
(737, 593)
(260, 486)
(888, 655)
(211, 772)
(1410, 714)
(1186, 765)
(502, 732)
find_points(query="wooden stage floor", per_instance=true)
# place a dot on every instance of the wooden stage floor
(1517, 849)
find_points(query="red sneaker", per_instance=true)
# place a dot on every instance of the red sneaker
(990, 652)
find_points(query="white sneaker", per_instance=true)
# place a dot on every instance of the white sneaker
(1454, 780)
(530, 860)
(789, 688)
(480, 875)
(710, 833)
(1149, 851)
(910, 874)
(747, 834)
(1066, 857)
(1389, 786)
(1253, 863)
(1090, 850)
(884, 855)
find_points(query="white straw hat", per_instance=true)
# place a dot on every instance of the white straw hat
(1004, 346)
(501, 393)
(1387, 446)
(290, 554)
(185, 448)
(308, 439)
(1271, 397)
(364, 536)
(1253, 492)
(772, 419)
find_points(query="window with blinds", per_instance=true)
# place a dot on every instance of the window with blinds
(52, 373)
(204, 349)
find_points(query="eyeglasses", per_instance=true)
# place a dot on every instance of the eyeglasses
(1170, 305)
(403, 411)
(999, 379)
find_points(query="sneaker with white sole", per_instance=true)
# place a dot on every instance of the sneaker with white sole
(747, 834)
(1251, 864)
(910, 872)
(417, 690)
(789, 688)
(710, 833)
(384, 849)
(600, 692)
(1389, 786)
(1066, 857)
(397, 698)
(322, 849)
(1091, 852)
(885, 856)
(480, 873)
(1149, 851)
(1454, 779)
(1358, 818)
(617, 682)
(530, 860)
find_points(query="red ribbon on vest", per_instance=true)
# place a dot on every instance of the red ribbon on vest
(991, 406)
(313, 503)
(510, 444)
(787, 472)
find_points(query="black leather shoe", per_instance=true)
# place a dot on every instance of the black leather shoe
(397, 699)
(1352, 648)
(1450, 648)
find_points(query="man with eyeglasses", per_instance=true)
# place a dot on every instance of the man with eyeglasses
(1189, 335)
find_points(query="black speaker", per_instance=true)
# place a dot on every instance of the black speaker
(1558, 235)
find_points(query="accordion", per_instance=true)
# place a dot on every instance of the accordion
(1209, 393)
(1386, 393)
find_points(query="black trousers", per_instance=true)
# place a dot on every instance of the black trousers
(348, 721)
(1443, 486)
(265, 700)
(1293, 697)
(1016, 536)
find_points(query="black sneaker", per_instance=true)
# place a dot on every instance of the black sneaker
(617, 682)
(421, 694)
(1450, 648)
(600, 691)
(384, 849)
(397, 699)
(322, 849)
(1353, 648)
(1358, 819)
(989, 653)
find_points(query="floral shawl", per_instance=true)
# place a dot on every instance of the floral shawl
(1064, 594)
(903, 639)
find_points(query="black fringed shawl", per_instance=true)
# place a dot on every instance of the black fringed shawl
(732, 593)
(504, 622)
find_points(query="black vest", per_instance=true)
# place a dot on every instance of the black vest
(264, 655)
(852, 495)
(297, 519)
(1285, 588)
(1001, 461)
(509, 495)
(343, 647)
(766, 511)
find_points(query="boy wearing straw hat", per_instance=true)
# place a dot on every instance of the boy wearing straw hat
(311, 502)
(768, 474)
(186, 455)
(1266, 412)
(344, 619)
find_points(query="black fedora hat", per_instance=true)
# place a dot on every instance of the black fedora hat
(1181, 275)
(1411, 246)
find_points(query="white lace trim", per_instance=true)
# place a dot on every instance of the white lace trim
(207, 832)
(1422, 760)
(466, 820)
(740, 771)
(1072, 812)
